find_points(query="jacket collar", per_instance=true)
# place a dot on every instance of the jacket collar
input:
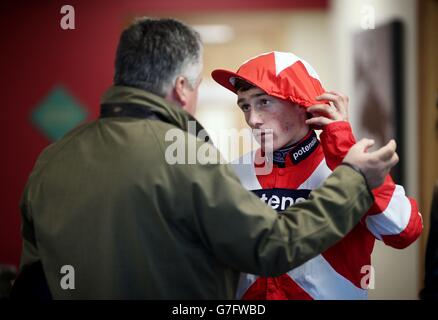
(163, 109)
(303, 148)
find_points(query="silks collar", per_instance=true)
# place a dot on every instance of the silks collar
(298, 151)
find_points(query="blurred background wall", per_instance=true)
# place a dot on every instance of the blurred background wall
(52, 79)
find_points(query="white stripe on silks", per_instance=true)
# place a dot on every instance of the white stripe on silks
(245, 281)
(394, 218)
(319, 280)
(245, 171)
(317, 177)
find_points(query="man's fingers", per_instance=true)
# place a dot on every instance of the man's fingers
(392, 144)
(336, 93)
(328, 96)
(318, 121)
(339, 102)
(364, 144)
(319, 108)
(394, 159)
(386, 152)
(326, 110)
(336, 98)
(388, 165)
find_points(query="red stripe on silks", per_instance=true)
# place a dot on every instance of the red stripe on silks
(410, 233)
(349, 255)
(258, 290)
(336, 139)
(275, 288)
(289, 289)
(293, 175)
(382, 196)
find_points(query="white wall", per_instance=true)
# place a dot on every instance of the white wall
(397, 272)
(309, 36)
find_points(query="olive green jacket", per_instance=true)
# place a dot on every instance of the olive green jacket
(105, 201)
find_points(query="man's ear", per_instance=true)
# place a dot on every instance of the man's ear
(179, 93)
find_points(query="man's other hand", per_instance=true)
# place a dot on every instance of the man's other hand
(374, 165)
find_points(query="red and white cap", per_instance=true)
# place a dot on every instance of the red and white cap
(279, 74)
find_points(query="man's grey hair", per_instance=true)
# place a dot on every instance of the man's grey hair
(153, 52)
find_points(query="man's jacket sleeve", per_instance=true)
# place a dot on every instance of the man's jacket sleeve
(246, 234)
(29, 252)
(394, 217)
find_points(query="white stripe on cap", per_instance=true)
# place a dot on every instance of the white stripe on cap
(284, 60)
